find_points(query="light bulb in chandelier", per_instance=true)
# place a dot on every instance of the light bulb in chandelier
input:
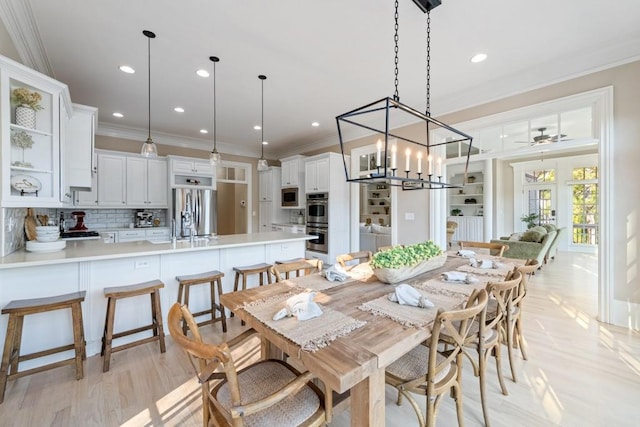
(214, 157)
(149, 148)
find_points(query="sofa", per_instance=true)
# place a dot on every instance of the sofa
(373, 237)
(532, 244)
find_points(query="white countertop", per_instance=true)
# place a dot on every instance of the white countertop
(91, 250)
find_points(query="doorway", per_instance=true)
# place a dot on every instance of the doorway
(233, 201)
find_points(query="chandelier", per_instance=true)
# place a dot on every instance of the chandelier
(406, 156)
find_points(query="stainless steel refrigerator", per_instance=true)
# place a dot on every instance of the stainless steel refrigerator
(194, 210)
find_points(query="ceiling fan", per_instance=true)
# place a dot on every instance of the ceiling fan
(542, 138)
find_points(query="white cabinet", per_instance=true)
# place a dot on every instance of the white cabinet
(88, 199)
(146, 183)
(317, 175)
(192, 166)
(266, 212)
(131, 235)
(470, 228)
(30, 139)
(77, 165)
(112, 172)
(267, 185)
(292, 171)
(159, 233)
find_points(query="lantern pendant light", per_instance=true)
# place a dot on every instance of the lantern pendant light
(214, 157)
(149, 148)
(262, 163)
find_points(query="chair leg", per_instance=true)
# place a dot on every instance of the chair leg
(458, 399)
(158, 330)
(6, 355)
(78, 340)
(221, 307)
(510, 345)
(108, 334)
(520, 338)
(498, 357)
(482, 365)
(186, 302)
(17, 343)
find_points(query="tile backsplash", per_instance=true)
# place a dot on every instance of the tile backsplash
(95, 219)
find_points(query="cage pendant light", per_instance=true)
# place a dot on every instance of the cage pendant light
(262, 163)
(392, 123)
(214, 157)
(149, 148)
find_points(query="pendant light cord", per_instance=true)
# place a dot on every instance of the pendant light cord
(149, 86)
(215, 139)
(396, 95)
(428, 109)
(262, 78)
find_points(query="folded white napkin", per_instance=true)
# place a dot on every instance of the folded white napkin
(485, 263)
(466, 253)
(408, 295)
(335, 273)
(302, 306)
(458, 277)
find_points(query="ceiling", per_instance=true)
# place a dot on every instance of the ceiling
(321, 59)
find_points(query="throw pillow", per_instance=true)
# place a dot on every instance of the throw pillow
(539, 229)
(549, 227)
(533, 236)
(515, 237)
(364, 228)
(375, 228)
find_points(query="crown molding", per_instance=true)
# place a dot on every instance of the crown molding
(134, 134)
(21, 26)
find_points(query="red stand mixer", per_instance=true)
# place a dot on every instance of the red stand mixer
(79, 216)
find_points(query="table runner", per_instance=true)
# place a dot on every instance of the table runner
(315, 282)
(310, 335)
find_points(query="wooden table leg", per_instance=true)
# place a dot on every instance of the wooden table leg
(367, 401)
(270, 351)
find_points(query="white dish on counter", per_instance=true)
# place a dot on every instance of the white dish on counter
(35, 246)
(47, 237)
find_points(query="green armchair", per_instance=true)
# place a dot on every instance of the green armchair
(528, 250)
(551, 253)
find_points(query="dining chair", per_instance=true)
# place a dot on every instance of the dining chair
(266, 393)
(307, 266)
(495, 249)
(514, 334)
(430, 372)
(489, 335)
(361, 257)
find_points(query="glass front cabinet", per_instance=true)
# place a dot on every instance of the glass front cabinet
(30, 132)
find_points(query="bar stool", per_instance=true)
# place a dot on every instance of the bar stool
(114, 294)
(245, 271)
(211, 277)
(288, 261)
(17, 310)
(259, 269)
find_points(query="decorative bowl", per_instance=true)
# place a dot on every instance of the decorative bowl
(396, 275)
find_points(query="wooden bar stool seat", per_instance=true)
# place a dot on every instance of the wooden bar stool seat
(17, 310)
(214, 279)
(259, 269)
(113, 294)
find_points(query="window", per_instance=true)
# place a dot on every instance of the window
(584, 212)
(538, 176)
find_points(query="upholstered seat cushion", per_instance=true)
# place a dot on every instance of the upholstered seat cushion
(414, 365)
(262, 379)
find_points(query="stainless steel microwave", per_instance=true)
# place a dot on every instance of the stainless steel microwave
(290, 197)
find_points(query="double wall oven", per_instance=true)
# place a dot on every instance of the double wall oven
(318, 222)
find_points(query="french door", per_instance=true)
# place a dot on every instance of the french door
(540, 200)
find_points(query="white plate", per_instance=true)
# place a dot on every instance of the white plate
(35, 246)
(26, 183)
(47, 229)
(51, 238)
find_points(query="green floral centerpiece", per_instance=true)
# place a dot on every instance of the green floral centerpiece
(402, 263)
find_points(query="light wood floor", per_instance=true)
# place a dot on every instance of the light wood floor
(579, 373)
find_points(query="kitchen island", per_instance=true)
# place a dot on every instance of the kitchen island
(92, 265)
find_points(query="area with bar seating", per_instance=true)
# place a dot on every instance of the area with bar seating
(402, 213)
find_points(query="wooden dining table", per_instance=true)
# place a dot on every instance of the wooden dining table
(357, 360)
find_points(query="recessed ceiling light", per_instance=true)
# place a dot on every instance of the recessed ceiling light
(315, 124)
(202, 73)
(257, 127)
(127, 69)
(119, 115)
(478, 57)
(265, 143)
(179, 110)
(204, 131)
(503, 136)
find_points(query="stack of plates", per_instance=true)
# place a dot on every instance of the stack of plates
(36, 246)
(47, 233)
